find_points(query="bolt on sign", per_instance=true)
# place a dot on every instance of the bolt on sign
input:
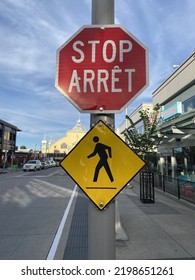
(102, 164)
(101, 68)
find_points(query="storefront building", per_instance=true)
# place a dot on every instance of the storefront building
(177, 121)
(8, 133)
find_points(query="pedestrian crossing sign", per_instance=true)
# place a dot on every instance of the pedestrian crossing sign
(101, 164)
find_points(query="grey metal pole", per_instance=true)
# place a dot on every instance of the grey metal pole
(102, 11)
(101, 224)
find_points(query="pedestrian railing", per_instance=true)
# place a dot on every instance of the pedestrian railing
(182, 187)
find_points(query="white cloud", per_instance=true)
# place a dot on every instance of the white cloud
(32, 31)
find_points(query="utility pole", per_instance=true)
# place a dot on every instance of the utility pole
(101, 224)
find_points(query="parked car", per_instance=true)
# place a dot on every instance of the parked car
(53, 163)
(32, 165)
(44, 165)
(49, 163)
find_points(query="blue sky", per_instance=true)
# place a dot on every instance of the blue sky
(31, 31)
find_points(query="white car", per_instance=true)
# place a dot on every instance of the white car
(44, 165)
(53, 163)
(32, 165)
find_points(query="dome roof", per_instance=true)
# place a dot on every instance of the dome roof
(79, 127)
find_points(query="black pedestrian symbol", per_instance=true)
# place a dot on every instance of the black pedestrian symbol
(101, 150)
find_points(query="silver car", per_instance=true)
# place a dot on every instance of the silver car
(32, 165)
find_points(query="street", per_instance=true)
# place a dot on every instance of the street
(32, 205)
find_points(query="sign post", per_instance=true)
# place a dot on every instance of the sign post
(100, 70)
(101, 225)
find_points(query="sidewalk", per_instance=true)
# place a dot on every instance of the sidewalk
(3, 171)
(9, 170)
(163, 230)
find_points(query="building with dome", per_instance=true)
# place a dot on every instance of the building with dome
(65, 144)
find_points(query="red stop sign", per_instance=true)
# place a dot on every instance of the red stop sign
(101, 69)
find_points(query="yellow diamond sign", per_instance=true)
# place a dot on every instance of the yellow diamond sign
(101, 164)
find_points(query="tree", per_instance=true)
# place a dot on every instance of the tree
(144, 143)
(23, 147)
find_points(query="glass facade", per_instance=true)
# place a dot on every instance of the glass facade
(185, 158)
(178, 152)
(189, 104)
(7, 142)
(9, 138)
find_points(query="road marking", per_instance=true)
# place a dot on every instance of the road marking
(58, 235)
(55, 172)
(31, 174)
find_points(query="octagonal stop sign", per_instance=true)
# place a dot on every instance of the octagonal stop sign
(102, 68)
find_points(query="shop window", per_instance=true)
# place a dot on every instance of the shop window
(185, 157)
(189, 104)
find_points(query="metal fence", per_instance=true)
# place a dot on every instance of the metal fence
(180, 187)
